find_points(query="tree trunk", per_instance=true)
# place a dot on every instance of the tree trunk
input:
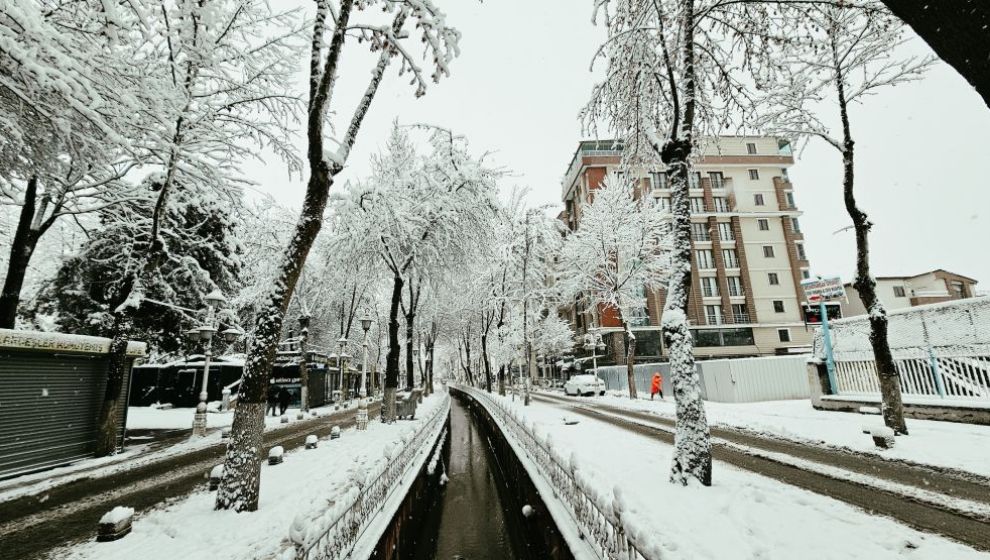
(106, 440)
(21, 248)
(394, 350)
(692, 454)
(488, 363)
(890, 379)
(429, 366)
(467, 360)
(956, 31)
(501, 380)
(631, 361)
(410, 366)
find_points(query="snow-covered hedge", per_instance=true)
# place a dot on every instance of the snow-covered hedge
(333, 532)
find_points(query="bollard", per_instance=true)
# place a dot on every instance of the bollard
(311, 441)
(335, 432)
(883, 437)
(275, 455)
(115, 524)
(299, 415)
(225, 433)
(285, 419)
(215, 475)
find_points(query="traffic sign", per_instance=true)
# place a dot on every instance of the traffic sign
(817, 290)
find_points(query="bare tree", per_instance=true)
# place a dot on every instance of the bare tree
(678, 70)
(240, 484)
(850, 58)
(620, 249)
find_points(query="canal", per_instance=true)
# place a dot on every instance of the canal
(476, 517)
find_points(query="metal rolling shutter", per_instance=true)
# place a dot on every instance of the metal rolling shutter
(48, 408)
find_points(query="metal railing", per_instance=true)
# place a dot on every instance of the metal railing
(342, 526)
(950, 374)
(598, 515)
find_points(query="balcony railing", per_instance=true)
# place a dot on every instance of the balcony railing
(701, 236)
(740, 317)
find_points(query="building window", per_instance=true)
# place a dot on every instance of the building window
(750, 148)
(705, 259)
(707, 338)
(713, 314)
(709, 286)
(763, 224)
(768, 251)
(754, 174)
(899, 291)
(739, 313)
(725, 232)
(805, 274)
(790, 199)
(778, 306)
(735, 285)
(773, 278)
(784, 335)
(731, 258)
(699, 232)
(800, 251)
(658, 179)
(697, 204)
(758, 199)
(721, 204)
(664, 202)
(958, 289)
(718, 181)
(795, 225)
(694, 180)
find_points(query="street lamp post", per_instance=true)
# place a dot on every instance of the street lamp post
(303, 365)
(342, 343)
(205, 334)
(362, 415)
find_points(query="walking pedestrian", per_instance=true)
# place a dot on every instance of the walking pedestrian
(272, 398)
(657, 385)
(283, 400)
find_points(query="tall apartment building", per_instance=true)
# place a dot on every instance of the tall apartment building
(748, 249)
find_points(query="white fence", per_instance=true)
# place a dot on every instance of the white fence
(596, 512)
(768, 378)
(940, 350)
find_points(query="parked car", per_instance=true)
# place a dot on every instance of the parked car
(584, 384)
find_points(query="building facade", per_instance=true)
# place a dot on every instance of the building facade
(899, 292)
(748, 249)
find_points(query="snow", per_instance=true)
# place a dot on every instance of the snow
(743, 515)
(939, 444)
(276, 451)
(133, 456)
(294, 496)
(117, 514)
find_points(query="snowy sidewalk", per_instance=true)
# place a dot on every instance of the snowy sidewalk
(143, 453)
(41, 513)
(305, 486)
(743, 515)
(945, 445)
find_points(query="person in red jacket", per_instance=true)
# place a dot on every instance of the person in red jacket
(657, 386)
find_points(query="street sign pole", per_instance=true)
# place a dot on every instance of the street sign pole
(827, 340)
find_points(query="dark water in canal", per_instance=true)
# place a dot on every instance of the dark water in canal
(472, 521)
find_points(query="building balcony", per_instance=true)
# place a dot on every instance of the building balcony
(740, 318)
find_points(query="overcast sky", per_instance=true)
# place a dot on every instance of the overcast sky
(523, 75)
